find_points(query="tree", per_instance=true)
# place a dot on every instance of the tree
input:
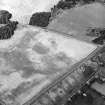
(66, 4)
(4, 17)
(40, 19)
(7, 31)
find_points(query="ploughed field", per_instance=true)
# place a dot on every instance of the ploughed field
(33, 58)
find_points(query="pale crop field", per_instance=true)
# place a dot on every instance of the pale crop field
(33, 59)
(77, 21)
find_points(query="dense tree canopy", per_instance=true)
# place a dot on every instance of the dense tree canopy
(7, 31)
(4, 17)
(99, 33)
(40, 19)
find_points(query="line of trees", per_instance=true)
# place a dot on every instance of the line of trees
(7, 27)
(42, 19)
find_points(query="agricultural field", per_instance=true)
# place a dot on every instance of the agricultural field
(33, 58)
